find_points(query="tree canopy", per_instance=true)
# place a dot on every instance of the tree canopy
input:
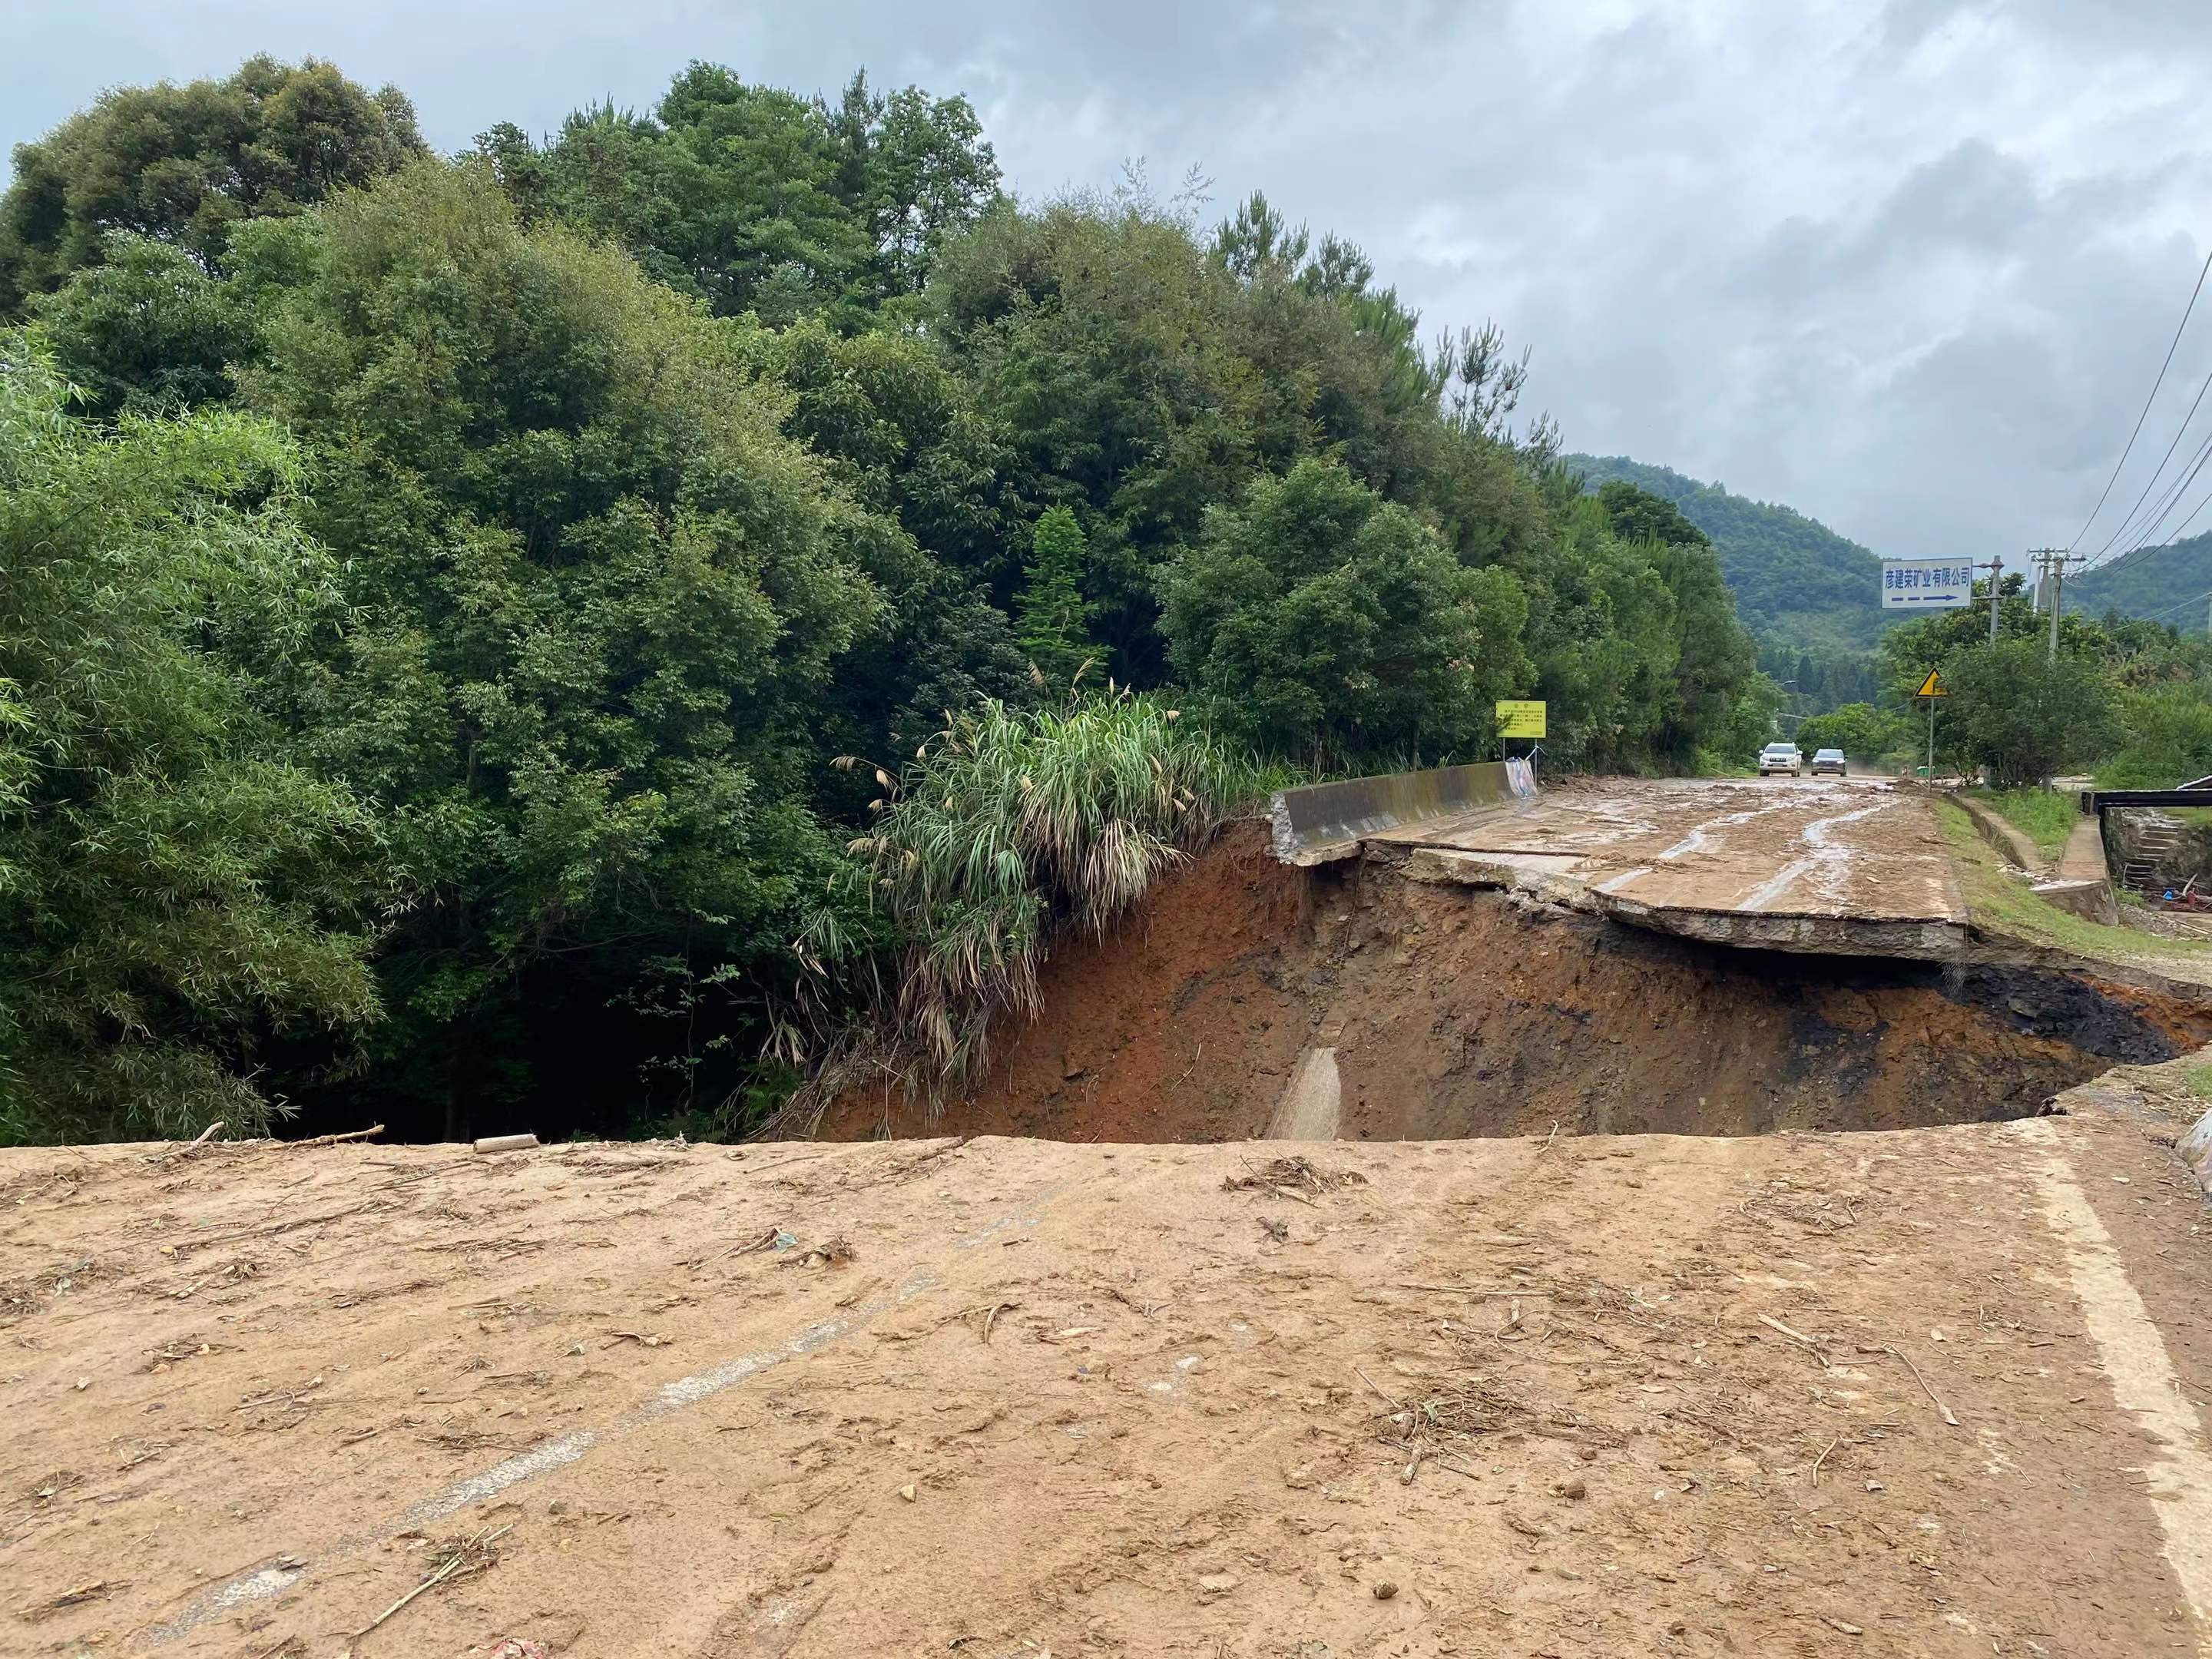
(509, 609)
(184, 165)
(757, 200)
(177, 884)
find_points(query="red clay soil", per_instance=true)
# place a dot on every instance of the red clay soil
(1459, 1012)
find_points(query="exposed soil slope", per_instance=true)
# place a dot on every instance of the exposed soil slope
(1459, 1012)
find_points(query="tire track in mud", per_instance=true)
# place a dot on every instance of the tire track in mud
(1831, 860)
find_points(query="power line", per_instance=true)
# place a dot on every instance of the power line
(2198, 598)
(2150, 526)
(2151, 483)
(2147, 402)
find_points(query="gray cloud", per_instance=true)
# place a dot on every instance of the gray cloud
(1908, 265)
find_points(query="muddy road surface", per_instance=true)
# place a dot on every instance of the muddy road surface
(1861, 848)
(1935, 1393)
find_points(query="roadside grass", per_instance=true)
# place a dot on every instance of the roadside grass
(2000, 902)
(2199, 1079)
(1011, 827)
(2044, 816)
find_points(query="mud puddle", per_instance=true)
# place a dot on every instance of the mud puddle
(1448, 1013)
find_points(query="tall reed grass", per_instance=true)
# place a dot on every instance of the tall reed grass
(1010, 829)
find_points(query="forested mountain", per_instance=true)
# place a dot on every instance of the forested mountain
(2171, 583)
(1796, 582)
(567, 635)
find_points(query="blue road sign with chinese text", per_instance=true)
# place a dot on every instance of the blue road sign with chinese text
(1926, 584)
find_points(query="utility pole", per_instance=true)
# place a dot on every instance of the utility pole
(2057, 598)
(1996, 574)
(2053, 561)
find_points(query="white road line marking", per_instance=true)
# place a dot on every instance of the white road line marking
(260, 1582)
(2179, 1477)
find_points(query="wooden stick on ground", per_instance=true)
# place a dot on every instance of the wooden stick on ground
(189, 1146)
(471, 1557)
(1814, 1479)
(1940, 1406)
(1810, 1346)
(369, 1133)
(1396, 1405)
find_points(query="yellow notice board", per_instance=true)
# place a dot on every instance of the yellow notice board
(1520, 719)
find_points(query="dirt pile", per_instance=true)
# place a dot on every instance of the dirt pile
(1457, 1012)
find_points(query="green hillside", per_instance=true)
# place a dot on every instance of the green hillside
(1795, 580)
(2170, 583)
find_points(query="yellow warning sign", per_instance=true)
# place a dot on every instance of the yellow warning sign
(1931, 687)
(1518, 719)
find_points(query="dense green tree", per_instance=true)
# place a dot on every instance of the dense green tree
(185, 165)
(177, 885)
(901, 435)
(2168, 738)
(1142, 374)
(148, 330)
(1714, 655)
(1050, 608)
(1327, 624)
(918, 172)
(904, 437)
(601, 596)
(1098, 336)
(1638, 515)
(1607, 645)
(1753, 723)
(757, 200)
(2024, 715)
(1862, 730)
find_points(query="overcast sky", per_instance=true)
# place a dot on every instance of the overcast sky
(1909, 266)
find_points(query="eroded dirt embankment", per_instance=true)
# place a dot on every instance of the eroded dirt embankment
(1455, 1012)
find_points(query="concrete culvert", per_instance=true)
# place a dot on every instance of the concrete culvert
(1230, 1002)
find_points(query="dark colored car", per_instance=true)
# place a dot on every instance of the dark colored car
(1830, 760)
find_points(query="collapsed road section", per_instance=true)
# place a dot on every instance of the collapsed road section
(1447, 954)
(1830, 865)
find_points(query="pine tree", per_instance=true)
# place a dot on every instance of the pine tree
(1050, 610)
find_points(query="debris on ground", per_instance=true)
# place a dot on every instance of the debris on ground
(70, 1598)
(459, 1558)
(1292, 1177)
(830, 1253)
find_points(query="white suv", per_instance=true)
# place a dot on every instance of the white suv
(1781, 758)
